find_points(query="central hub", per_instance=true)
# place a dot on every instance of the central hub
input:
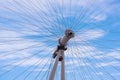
(63, 42)
(68, 35)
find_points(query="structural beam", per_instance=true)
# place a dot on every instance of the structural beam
(62, 66)
(59, 54)
(52, 75)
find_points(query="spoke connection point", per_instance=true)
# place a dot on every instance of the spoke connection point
(63, 42)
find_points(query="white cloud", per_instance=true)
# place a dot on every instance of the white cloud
(99, 56)
(24, 5)
(93, 34)
(87, 35)
(5, 33)
(100, 11)
(35, 61)
(76, 63)
(80, 51)
(114, 54)
(100, 73)
(39, 70)
(116, 74)
(99, 17)
(18, 45)
(104, 64)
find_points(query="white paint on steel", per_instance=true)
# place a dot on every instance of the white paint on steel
(62, 42)
(52, 75)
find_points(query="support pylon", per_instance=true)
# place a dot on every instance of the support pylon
(62, 66)
(59, 54)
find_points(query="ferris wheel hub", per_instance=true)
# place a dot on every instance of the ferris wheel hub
(63, 42)
(68, 35)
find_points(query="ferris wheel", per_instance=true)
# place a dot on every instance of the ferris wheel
(59, 40)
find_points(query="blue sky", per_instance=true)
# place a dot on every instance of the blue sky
(29, 33)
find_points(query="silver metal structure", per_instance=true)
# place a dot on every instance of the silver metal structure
(59, 54)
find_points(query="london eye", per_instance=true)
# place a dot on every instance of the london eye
(59, 40)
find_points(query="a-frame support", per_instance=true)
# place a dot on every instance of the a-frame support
(59, 54)
(52, 75)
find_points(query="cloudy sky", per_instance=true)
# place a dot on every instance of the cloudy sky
(30, 30)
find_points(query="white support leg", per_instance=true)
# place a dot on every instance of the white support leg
(52, 75)
(61, 48)
(62, 67)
